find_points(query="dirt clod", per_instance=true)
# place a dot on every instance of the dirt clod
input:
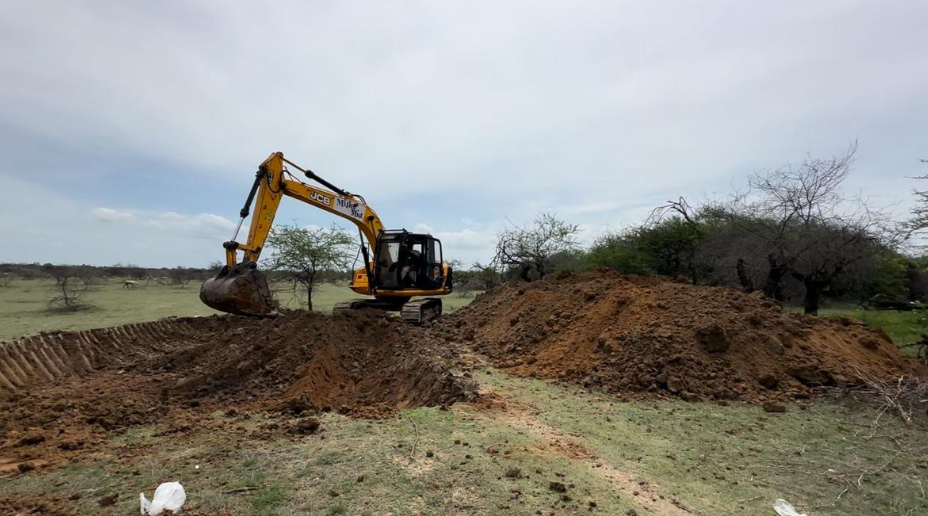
(714, 338)
(513, 472)
(108, 500)
(774, 407)
(557, 487)
(307, 426)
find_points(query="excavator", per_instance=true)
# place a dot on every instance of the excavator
(398, 265)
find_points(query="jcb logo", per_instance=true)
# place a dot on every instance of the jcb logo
(318, 197)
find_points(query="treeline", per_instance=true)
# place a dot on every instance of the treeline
(177, 275)
(791, 234)
(163, 275)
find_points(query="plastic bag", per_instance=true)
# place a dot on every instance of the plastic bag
(783, 508)
(169, 496)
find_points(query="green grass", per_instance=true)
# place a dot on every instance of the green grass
(903, 327)
(827, 459)
(23, 305)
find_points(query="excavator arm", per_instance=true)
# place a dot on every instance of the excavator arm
(239, 287)
(272, 182)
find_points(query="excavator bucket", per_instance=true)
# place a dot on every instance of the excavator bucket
(242, 290)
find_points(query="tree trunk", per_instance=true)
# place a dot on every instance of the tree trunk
(743, 278)
(813, 296)
(774, 285)
(309, 296)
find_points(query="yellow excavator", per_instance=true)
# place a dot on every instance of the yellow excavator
(398, 265)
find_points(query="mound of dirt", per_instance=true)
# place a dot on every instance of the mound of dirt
(64, 392)
(654, 336)
(364, 360)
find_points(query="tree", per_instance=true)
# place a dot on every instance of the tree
(528, 249)
(72, 284)
(300, 255)
(618, 251)
(919, 221)
(181, 276)
(810, 231)
(483, 276)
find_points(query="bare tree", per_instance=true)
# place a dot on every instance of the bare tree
(71, 289)
(528, 248)
(301, 254)
(672, 234)
(919, 221)
(811, 232)
(6, 279)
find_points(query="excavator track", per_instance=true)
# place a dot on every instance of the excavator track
(415, 312)
(423, 310)
(347, 306)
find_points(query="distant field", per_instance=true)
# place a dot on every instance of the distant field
(22, 306)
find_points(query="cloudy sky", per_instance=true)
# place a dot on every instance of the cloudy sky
(130, 130)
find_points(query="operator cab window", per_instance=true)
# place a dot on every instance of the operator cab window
(388, 264)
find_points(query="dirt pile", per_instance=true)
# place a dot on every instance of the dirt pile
(347, 361)
(360, 360)
(64, 392)
(645, 335)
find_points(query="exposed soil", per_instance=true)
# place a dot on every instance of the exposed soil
(71, 389)
(63, 394)
(649, 336)
(46, 506)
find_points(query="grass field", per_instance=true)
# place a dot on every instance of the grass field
(503, 455)
(611, 457)
(23, 305)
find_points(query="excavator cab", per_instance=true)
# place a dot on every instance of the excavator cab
(408, 261)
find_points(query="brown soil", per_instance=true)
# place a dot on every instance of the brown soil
(70, 389)
(62, 394)
(657, 337)
(46, 506)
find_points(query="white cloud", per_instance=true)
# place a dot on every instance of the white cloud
(461, 115)
(204, 224)
(466, 245)
(466, 239)
(110, 215)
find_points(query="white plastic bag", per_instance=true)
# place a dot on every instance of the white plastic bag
(169, 496)
(785, 509)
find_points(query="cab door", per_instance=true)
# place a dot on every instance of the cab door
(433, 266)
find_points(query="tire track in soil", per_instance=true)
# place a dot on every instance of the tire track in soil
(499, 407)
(43, 358)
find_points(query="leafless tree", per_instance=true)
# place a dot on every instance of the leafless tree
(811, 232)
(919, 221)
(6, 279)
(528, 248)
(71, 289)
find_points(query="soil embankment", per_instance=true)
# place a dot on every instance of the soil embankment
(646, 336)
